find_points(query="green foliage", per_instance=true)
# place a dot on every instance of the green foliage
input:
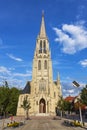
(26, 105)
(84, 95)
(64, 105)
(8, 99)
(13, 101)
(67, 105)
(60, 104)
(4, 98)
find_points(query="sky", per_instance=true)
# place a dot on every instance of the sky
(66, 28)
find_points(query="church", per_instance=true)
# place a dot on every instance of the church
(43, 93)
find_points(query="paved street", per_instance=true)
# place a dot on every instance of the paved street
(43, 123)
(47, 124)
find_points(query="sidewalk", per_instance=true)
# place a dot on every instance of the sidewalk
(85, 126)
(3, 122)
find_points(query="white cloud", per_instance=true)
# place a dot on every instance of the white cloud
(4, 70)
(71, 91)
(14, 79)
(73, 38)
(83, 63)
(68, 91)
(23, 75)
(14, 58)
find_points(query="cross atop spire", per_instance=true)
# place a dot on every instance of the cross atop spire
(43, 13)
(42, 28)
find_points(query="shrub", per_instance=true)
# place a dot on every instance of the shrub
(13, 124)
(77, 123)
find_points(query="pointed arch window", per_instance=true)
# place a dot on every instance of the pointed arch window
(45, 64)
(44, 46)
(40, 50)
(39, 65)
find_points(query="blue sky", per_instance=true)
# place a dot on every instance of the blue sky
(66, 28)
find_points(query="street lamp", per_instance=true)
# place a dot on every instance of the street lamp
(76, 84)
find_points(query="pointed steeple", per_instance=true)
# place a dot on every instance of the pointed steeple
(59, 85)
(58, 79)
(42, 28)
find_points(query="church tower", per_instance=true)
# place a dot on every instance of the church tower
(42, 64)
(43, 93)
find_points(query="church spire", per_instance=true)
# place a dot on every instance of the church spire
(58, 79)
(59, 85)
(42, 28)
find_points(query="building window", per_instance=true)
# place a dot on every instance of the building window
(40, 50)
(39, 65)
(44, 46)
(45, 64)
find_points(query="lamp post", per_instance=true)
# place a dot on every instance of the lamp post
(76, 84)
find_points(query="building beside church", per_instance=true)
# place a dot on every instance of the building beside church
(42, 92)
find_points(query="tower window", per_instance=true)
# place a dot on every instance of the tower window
(45, 64)
(39, 65)
(40, 50)
(44, 46)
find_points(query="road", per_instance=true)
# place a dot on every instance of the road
(47, 124)
(44, 123)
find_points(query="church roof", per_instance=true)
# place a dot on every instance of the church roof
(69, 98)
(27, 88)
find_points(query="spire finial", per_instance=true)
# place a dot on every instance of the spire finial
(42, 13)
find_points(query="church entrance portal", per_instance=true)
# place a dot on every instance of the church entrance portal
(42, 106)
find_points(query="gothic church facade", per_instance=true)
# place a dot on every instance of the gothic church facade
(43, 93)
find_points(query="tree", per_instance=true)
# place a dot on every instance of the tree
(64, 105)
(8, 99)
(13, 101)
(60, 104)
(4, 98)
(84, 95)
(26, 106)
(78, 105)
(67, 106)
